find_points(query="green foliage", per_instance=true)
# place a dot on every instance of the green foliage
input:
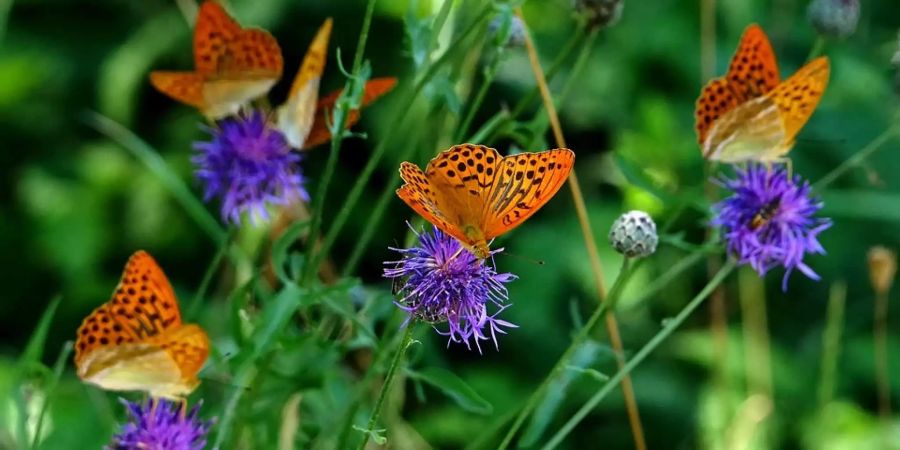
(304, 329)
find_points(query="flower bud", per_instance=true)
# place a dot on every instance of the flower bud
(882, 268)
(600, 13)
(633, 234)
(507, 30)
(834, 18)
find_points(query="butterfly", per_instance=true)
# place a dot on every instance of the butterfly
(474, 194)
(303, 117)
(232, 65)
(749, 114)
(136, 340)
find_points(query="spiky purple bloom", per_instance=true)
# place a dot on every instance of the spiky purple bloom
(161, 425)
(443, 282)
(769, 221)
(248, 164)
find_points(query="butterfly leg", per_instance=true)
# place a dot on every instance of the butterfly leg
(183, 409)
(153, 404)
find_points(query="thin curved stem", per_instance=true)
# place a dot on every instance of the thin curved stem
(579, 339)
(341, 114)
(857, 157)
(670, 326)
(612, 325)
(386, 385)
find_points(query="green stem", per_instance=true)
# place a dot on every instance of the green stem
(661, 336)
(583, 334)
(58, 368)
(857, 158)
(362, 181)
(831, 342)
(341, 114)
(386, 385)
(489, 73)
(817, 47)
(194, 306)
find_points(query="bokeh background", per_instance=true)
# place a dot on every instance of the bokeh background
(74, 203)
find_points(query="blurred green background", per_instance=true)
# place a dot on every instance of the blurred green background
(74, 204)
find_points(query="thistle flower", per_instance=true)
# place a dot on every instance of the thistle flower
(600, 13)
(769, 221)
(882, 269)
(161, 425)
(248, 164)
(440, 281)
(834, 18)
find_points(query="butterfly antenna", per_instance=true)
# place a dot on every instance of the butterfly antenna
(539, 262)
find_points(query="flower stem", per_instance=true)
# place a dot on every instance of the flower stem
(670, 326)
(386, 385)
(882, 374)
(579, 339)
(831, 342)
(612, 327)
(489, 73)
(340, 115)
(817, 47)
(857, 157)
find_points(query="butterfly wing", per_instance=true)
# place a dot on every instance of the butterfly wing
(186, 87)
(134, 341)
(424, 198)
(799, 95)
(296, 116)
(752, 131)
(752, 72)
(213, 31)
(524, 183)
(319, 133)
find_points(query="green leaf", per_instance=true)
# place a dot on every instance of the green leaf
(454, 387)
(862, 204)
(282, 245)
(34, 351)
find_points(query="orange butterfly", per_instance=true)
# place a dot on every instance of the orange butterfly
(749, 114)
(136, 340)
(474, 194)
(232, 65)
(302, 118)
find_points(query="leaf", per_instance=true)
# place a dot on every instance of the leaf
(34, 350)
(862, 204)
(454, 387)
(282, 245)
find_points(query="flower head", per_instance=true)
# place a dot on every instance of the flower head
(834, 18)
(441, 281)
(769, 220)
(633, 234)
(161, 425)
(248, 164)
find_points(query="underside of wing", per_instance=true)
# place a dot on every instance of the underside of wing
(799, 95)
(296, 116)
(185, 87)
(134, 367)
(225, 96)
(751, 132)
(524, 183)
(716, 99)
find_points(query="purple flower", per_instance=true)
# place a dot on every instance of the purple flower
(248, 164)
(441, 281)
(161, 425)
(769, 220)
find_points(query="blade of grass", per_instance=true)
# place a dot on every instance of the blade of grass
(50, 390)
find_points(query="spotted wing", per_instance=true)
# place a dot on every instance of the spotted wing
(799, 95)
(751, 132)
(523, 184)
(137, 340)
(423, 197)
(319, 134)
(186, 87)
(213, 32)
(296, 116)
(753, 72)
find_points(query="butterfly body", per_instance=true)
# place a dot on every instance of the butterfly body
(474, 194)
(136, 341)
(750, 114)
(232, 65)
